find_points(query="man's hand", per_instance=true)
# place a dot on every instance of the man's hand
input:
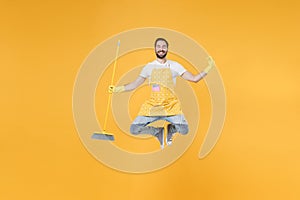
(116, 89)
(211, 64)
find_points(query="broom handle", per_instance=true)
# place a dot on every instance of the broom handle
(111, 83)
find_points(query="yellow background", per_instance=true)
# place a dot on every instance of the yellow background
(255, 45)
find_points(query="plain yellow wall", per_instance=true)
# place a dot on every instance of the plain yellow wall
(255, 45)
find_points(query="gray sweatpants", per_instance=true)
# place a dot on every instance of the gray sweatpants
(178, 124)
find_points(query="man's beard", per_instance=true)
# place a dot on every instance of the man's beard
(161, 56)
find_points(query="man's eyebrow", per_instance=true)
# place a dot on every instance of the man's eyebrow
(164, 45)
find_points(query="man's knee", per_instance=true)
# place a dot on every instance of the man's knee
(178, 128)
(182, 129)
(135, 129)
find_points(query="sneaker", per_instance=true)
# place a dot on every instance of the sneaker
(160, 137)
(169, 139)
(170, 134)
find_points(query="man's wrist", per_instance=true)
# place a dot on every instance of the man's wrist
(203, 74)
(119, 89)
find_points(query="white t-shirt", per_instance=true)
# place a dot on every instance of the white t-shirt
(176, 69)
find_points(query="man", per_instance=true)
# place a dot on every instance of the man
(163, 103)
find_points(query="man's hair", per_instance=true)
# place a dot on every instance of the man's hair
(161, 39)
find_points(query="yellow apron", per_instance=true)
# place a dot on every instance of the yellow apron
(163, 101)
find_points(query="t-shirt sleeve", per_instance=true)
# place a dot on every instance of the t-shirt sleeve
(179, 68)
(145, 72)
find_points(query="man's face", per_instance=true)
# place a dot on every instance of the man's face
(161, 49)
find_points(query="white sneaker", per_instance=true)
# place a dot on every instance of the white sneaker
(169, 138)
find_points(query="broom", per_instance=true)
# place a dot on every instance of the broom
(104, 135)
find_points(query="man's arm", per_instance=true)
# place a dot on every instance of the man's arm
(128, 87)
(133, 85)
(195, 78)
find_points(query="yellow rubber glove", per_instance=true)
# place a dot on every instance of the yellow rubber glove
(116, 89)
(211, 64)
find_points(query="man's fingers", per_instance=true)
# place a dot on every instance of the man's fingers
(211, 61)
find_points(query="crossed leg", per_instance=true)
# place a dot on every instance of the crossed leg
(178, 124)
